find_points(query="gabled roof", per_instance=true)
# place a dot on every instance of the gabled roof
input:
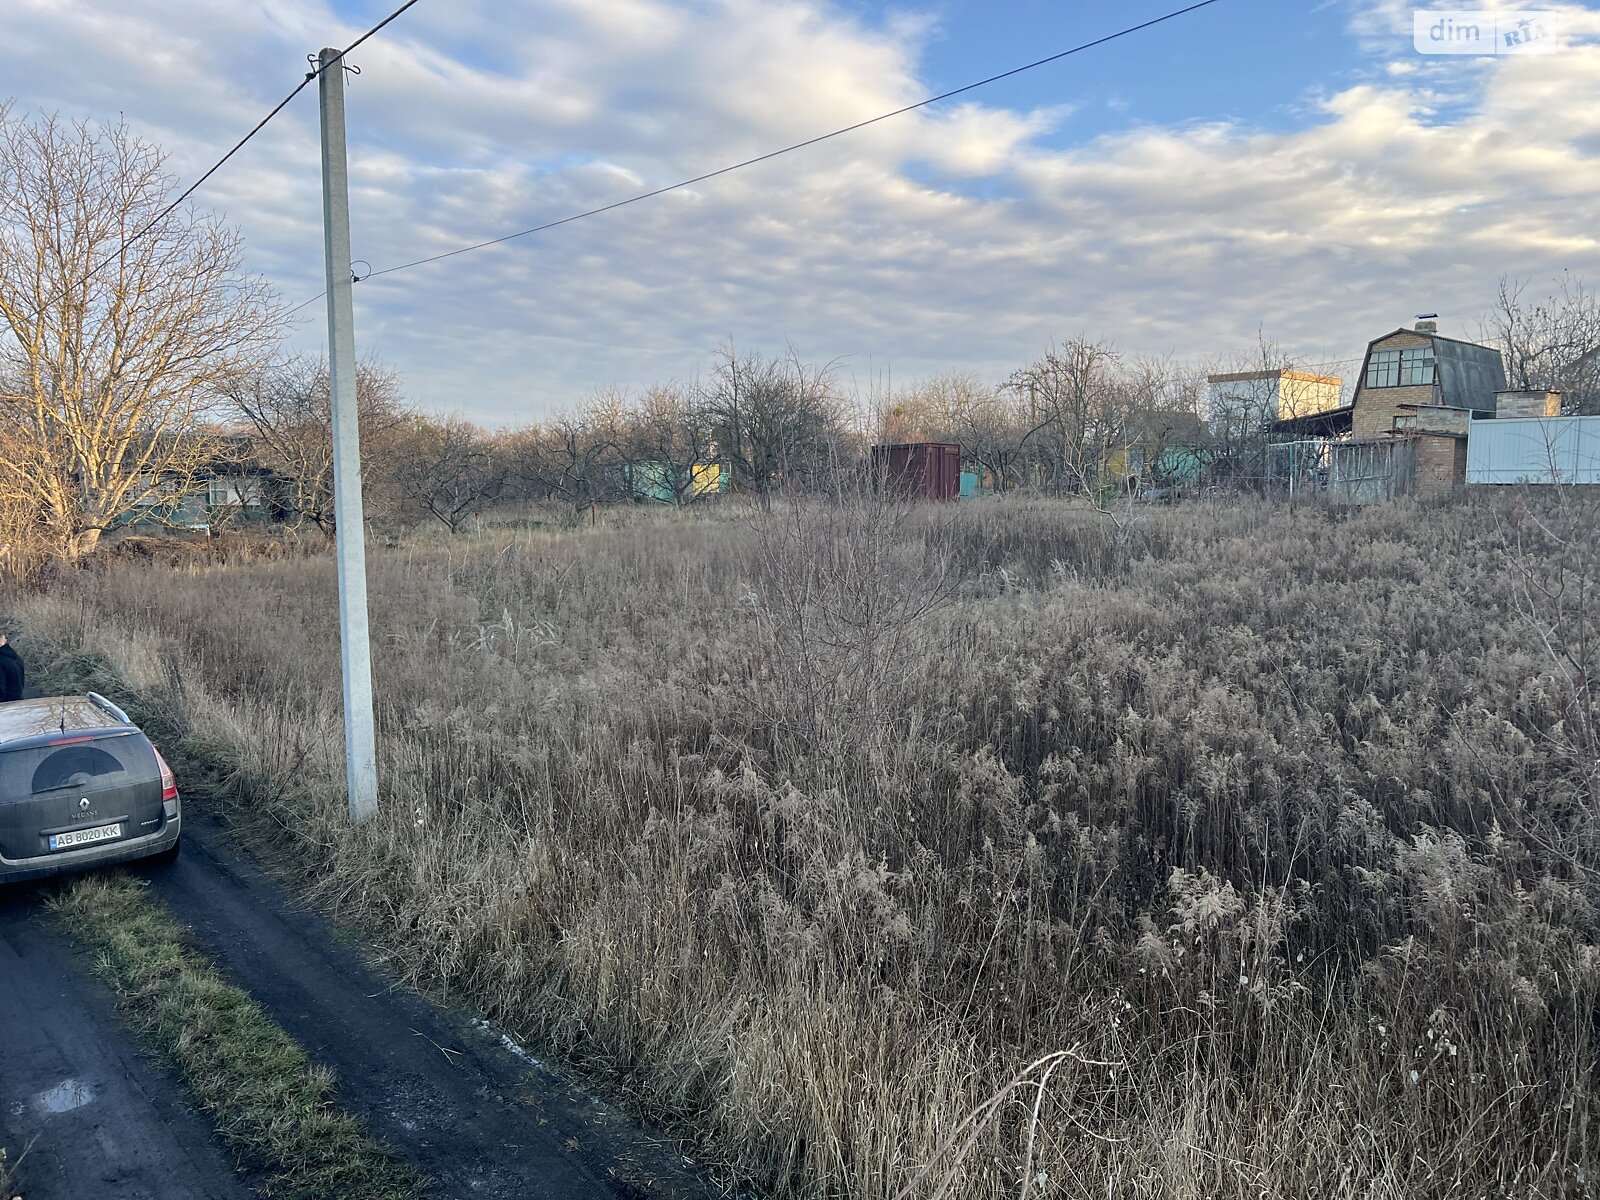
(1466, 375)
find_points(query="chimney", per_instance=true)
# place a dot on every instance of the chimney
(1427, 323)
(1532, 402)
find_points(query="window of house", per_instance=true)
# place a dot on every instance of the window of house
(1400, 368)
(233, 491)
(1416, 366)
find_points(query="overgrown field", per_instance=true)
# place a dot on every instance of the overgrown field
(811, 832)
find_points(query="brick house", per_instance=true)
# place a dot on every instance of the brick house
(1413, 369)
(1424, 390)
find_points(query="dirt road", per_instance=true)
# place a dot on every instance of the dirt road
(96, 1119)
(455, 1099)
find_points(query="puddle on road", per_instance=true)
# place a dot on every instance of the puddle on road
(509, 1043)
(64, 1097)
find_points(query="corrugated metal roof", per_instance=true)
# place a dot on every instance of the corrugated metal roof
(1469, 374)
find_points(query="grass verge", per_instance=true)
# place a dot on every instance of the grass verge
(8, 1178)
(273, 1108)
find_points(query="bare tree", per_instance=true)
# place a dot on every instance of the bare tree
(1077, 411)
(990, 425)
(1552, 343)
(574, 459)
(1164, 428)
(24, 540)
(670, 436)
(908, 415)
(449, 469)
(288, 410)
(776, 420)
(1244, 403)
(117, 322)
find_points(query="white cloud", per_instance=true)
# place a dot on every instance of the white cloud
(952, 237)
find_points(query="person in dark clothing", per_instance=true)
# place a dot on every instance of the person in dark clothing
(11, 672)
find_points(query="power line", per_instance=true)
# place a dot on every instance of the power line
(303, 303)
(195, 186)
(375, 29)
(761, 158)
(237, 146)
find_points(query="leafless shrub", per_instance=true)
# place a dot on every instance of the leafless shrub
(450, 470)
(776, 420)
(845, 591)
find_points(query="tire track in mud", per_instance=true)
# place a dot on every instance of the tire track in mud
(97, 1120)
(465, 1106)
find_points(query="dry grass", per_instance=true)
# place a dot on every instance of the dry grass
(276, 1112)
(1282, 813)
(8, 1176)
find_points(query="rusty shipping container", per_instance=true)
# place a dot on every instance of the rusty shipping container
(930, 470)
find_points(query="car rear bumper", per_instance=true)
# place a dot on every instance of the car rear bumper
(18, 870)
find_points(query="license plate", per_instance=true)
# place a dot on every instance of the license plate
(85, 837)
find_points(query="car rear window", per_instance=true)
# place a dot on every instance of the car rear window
(107, 761)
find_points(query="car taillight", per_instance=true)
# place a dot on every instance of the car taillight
(169, 784)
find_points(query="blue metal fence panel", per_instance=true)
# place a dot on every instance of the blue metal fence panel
(1534, 450)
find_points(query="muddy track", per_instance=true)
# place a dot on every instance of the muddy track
(103, 1121)
(463, 1106)
(468, 1108)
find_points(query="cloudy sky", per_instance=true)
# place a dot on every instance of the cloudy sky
(1288, 166)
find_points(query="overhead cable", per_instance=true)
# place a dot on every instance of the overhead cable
(237, 146)
(761, 158)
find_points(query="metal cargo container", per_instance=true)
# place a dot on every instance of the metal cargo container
(1534, 450)
(930, 470)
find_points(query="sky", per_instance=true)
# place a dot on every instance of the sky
(1292, 169)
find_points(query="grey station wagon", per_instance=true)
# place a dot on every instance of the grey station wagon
(80, 786)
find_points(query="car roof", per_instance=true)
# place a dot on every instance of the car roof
(44, 715)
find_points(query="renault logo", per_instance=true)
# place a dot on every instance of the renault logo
(84, 804)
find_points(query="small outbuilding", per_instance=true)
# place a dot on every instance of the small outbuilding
(1161, 448)
(927, 470)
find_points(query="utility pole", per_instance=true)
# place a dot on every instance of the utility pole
(360, 741)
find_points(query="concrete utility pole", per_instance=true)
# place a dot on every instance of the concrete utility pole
(360, 741)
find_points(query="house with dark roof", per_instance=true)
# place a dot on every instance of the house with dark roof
(1406, 430)
(1423, 391)
(1418, 368)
